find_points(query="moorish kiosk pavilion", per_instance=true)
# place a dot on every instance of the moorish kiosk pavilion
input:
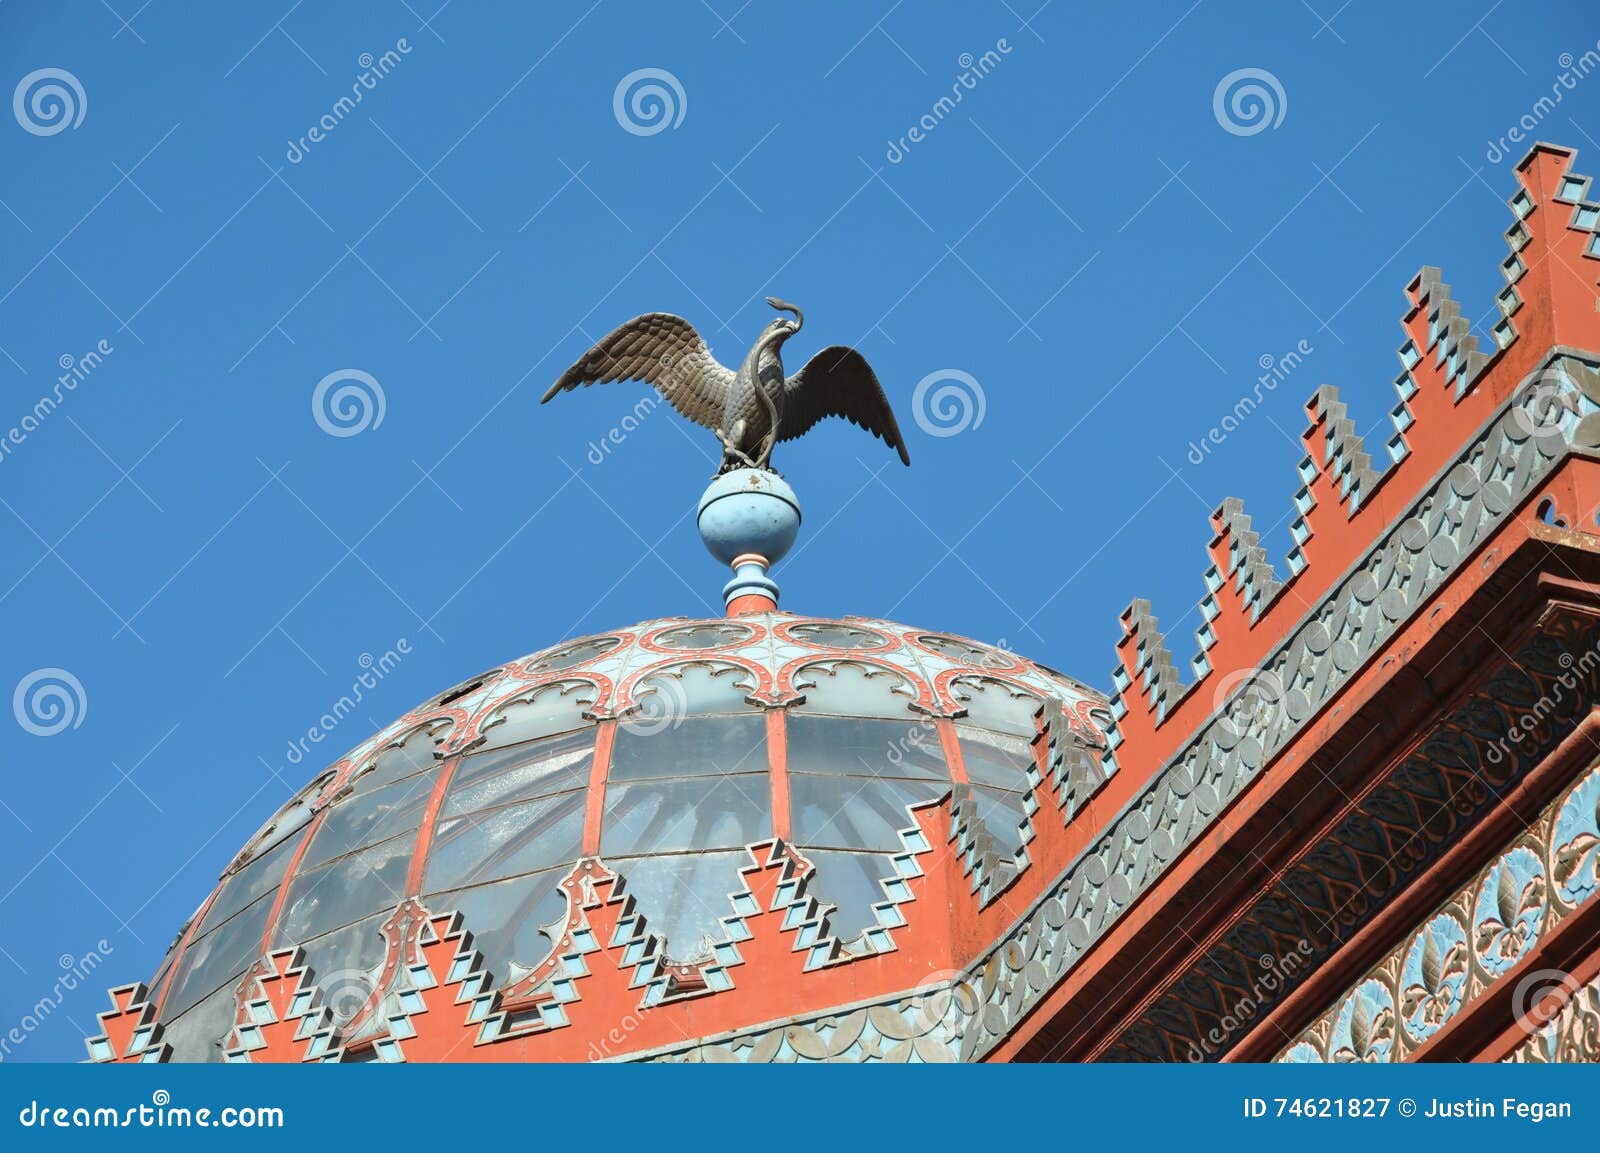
(1362, 824)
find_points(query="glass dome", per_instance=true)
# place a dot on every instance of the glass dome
(663, 750)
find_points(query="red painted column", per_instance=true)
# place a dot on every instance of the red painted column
(605, 737)
(778, 771)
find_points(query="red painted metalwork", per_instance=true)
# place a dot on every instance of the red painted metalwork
(952, 750)
(1519, 808)
(604, 739)
(778, 772)
(1184, 896)
(781, 981)
(282, 894)
(430, 819)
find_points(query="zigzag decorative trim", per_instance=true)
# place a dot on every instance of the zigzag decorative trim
(1146, 661)
(1488, 445)
(590, 886)
(938, 1022)
(1344, 456)
(981, 861)
(1552, 235)
(1072, 771)
(129, 1031)
(1418, 554)
(279, 1004)
(1448, 336)
(445, 961)
(810, 916)
(1239, 559)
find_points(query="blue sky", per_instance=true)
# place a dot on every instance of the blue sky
(1109, 261)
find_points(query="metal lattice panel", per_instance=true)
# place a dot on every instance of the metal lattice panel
(650, 748)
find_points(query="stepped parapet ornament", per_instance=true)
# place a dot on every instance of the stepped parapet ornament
(1353, 832)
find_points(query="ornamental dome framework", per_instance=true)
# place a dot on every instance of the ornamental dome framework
(660, 763)
(1358, 821)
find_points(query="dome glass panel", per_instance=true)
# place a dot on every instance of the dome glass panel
(648, 751)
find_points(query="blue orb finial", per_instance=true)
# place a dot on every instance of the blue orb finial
(749, 519)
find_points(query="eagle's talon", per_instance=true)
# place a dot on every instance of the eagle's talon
(733, 459)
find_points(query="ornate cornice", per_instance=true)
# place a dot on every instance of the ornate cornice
(1475, 937)
(1516, 449)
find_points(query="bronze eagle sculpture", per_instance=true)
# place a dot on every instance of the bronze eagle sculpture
(752, 409)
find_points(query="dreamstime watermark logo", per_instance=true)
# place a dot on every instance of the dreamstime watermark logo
(373, 670)
(948, 998)
(161, 1113)
(373, 69)
(49, 701)
(973, 69)
(1542, 409)
(1540, 997)
(1573, 69)
(675, 371)
(75, 370)
(921, 739)
(1564, 688)
(348, 402)
(1276, 976)
(600, 450)
(661, 706)
(75, 972)
(1275, 370)
(345, 992)
(648, 101)
(611, 1042)
(1248, 101)
(1248, 701)
(948, 402)
(48, 101)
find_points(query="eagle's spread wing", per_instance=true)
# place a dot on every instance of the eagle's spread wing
(838, 382)
(664, 351)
